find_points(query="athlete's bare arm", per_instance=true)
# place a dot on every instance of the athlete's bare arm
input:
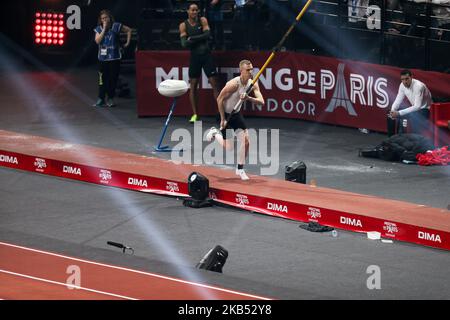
(258, 98)
(226, 92)
(182, 28)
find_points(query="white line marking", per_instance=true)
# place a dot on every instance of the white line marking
(137, 271)
(67, 285)
(310, 91)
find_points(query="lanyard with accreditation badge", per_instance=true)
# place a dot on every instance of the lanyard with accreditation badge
(107, 39)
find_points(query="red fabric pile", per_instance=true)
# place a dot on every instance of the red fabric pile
(437, 156)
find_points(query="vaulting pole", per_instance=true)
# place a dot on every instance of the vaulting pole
(237, 107)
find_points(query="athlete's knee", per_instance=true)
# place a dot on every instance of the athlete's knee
(194, 83)
(244, 136)
(228, 145)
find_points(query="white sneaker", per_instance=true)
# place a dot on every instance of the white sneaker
(242, 174)
(211, 133)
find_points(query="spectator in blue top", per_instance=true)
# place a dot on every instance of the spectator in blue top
(109, 55)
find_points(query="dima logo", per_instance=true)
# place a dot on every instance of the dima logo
(351, 222)
(137, 182)
(8, 159)
(429, 236)
(277, 207)
(72, 170)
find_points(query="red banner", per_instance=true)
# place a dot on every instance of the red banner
(269, 206)
(294, 85)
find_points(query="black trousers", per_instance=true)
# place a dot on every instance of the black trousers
(417, 122)
(108, 75)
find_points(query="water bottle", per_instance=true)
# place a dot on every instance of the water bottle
(334, 233)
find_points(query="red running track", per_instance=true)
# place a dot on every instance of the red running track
(30, 274)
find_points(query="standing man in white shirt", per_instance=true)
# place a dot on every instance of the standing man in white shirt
(419, 97)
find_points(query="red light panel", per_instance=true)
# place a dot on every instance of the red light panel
(49, 28)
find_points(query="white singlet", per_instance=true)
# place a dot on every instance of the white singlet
(232, 100)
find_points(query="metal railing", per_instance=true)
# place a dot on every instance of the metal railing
(402, 33)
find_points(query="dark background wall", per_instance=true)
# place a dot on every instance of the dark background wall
(323, 31)
(17, 19)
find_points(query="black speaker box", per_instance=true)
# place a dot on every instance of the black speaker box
(214, 260)
(296, 172)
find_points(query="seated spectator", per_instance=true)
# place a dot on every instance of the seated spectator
(357, 11)
(440, 19)
(419, 97)
(412, 10)
(441, 11)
